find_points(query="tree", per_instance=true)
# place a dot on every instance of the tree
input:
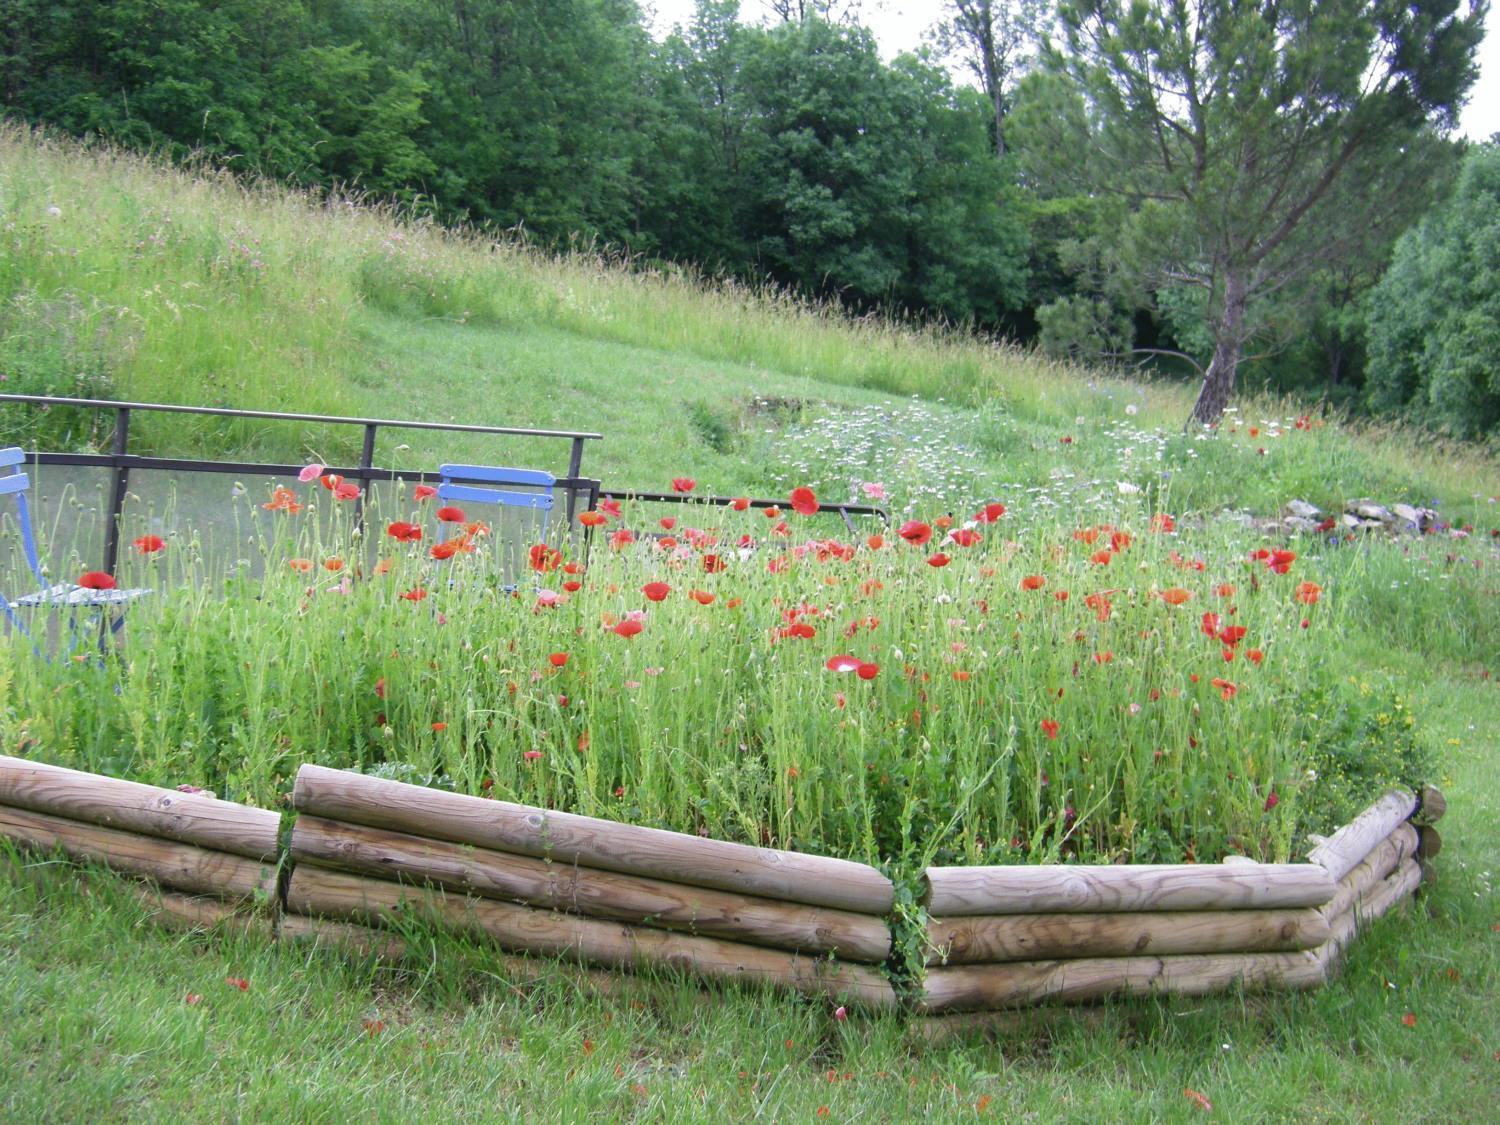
(991, 39)
(1246, 136)
(1434, 319)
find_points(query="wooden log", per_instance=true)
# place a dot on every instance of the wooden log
(568, 838)
(1431, 805)
(1342, 852)
(1025, 983)
(189, 818)
(1384, 858)
(1429, 843)
(1112, 888)
(1376, 901)
(1033, 937)
(383, 945)
(582, 890)
(181, 867)
(176, 911)
(356, 898)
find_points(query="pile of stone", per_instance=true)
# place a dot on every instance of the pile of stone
(1362, 515)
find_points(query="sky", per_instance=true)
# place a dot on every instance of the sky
(898, 26)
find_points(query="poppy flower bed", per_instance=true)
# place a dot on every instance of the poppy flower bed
(934, 693)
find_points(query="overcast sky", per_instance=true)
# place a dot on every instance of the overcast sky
(898, 26)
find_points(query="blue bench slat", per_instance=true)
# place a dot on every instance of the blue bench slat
(12, 455)
(498, 475)
(15, 482)
(470, 494)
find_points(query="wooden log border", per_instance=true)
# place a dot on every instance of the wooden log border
(368, 855)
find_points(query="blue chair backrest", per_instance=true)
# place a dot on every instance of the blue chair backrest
(463, 483)
(13, 482)
(486, 484)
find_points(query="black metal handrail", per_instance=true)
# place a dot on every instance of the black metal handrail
(122, 461)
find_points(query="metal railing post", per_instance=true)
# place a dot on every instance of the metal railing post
(117, 491)
(575, 466)
(366, 463)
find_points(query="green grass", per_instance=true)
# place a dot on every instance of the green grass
(180, 285)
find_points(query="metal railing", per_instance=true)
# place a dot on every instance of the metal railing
(121, 461)
(846, 511)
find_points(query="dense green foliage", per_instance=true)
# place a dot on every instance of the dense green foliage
(1435, 316)
(1044, 210)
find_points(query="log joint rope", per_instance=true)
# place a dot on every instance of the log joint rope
(365, 856)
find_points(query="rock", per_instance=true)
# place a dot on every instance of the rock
(1348, 522)
(1302, 510)
(1369, 510)
(1372, 525)
(1300, 525)
(1351, 507)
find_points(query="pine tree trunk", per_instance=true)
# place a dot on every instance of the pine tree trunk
(1229, 337)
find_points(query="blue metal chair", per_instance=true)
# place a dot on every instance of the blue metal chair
(484, 484)
(68, 595)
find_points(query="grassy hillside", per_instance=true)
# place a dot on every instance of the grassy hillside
(123, 278)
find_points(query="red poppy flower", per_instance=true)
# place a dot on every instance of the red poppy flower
(572, 586)
(666, 543)
(544, 558)
(404, 532)
(629, 627)
(915, 532)
(1119, 541)
(610, 507)
(423, 492)
(683, 484)
(1254, 655)
(446, 550)
(1226, 687)
(558, 659)
(740, 503)
(533, 755)
(965, 537)
(938, 560)
(1086, 534)
(875, 542)
(702, 597)
(415, 594)
(1272, 801)
(283, 500)
(1104, 657)
(1308, 592)
(867, 671)
(771, 513)
(1211, 624)
(439, 728)
(656, 591)
(1176, 595)
(1232, 634)
(1060, 595)
(1033, 582)
(333, 565)
(989, 513)
(96, 580)
(1050, 728)
(592, 518)
(804, 502)
(1162, 523)
(1224, 590)
(712, 564)
(943, 523)
(843, 664)
(451, 514)
(668, 522)
(1101, 557)
(1100, 604)
(238, 982)
(800, 629)
(380, 688)
(783, 529)
(149, 544)
(621, 537)
(301, 566)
